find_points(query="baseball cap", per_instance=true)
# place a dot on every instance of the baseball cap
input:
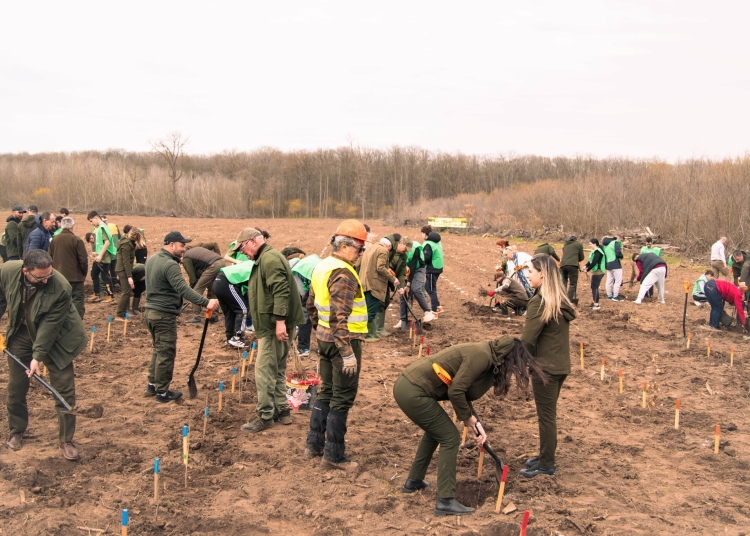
(176, 236)
(245, 234)
(33, 207)
(18, 208)
(408, 242)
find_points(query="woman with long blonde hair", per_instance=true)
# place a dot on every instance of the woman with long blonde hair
(546, 336)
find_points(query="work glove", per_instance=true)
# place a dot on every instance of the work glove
(349, 366)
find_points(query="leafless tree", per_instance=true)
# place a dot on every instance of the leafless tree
(171, 150)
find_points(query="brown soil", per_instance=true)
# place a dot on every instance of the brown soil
(621, 469)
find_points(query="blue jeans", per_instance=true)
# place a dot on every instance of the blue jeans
(431, 288)
(716, 302)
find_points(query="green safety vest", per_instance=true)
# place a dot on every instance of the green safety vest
(416, 246)
(100, 240)
(646, 249)
(602, 263)
(304, 269)
(609, 251)
(57, 232)
(238, 273)
(237, 255)
(437, 253)
(697, 286)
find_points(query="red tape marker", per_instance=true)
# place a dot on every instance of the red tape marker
(525, 522)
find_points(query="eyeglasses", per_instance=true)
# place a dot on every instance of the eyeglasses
(360, 249)
(39, 279)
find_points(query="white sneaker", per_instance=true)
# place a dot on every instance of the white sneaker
(637, 301)
(398, 325)
(698, 304)
(429, 317)
(237, 342)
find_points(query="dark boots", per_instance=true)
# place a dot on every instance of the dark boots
(316, 437)
(451, 507)
(334, 453)
(136, 307)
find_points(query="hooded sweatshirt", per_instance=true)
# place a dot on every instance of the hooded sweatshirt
(25, 228)
(39, 237)
(613, 253)
(548, 342)
(433, 254)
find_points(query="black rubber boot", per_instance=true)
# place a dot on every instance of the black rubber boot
(412, 485)
(334, 453)
(316, 437)
(451, 507)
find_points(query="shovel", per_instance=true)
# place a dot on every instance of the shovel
(47, 386)
(684, 313)
(191, 379)
(417, 321)
(498, 462)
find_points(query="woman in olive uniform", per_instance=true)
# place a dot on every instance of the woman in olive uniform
(461, 374)
(546, 336)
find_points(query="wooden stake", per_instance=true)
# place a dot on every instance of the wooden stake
(717, 435)
(244, 363)
(582, 366)
(252, 352)
(620, 374)
(185, 451)
(501, 491)
(109, 327)
(690, 336)
(602, 372)
(125, 522)
(205, 423)
(463, 436)
(411, 328)
(677, 414)
(221, 392)
(93, 334)
(421, 343)
(525, 523)
(708, 349)
(44, 369)
(125, 326)
(234, 374)
(156, 481)
(481, 460)
(731, 356)
(645, 387)
(428, 351)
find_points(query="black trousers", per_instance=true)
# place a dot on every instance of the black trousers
(100, 269)
(570, 280)
(233, 305)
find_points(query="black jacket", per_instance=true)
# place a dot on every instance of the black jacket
(427, 250)
(649, 261)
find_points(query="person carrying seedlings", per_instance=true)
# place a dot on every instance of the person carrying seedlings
(461, 373)
(375, 277)
(509, 294)
(570, 266)
(131, 275)
(276, 311)
(652, 270)
(414, 287)
(202, 266)
(12, 234)
(43, 327)
(613, 255)
(104, 249)
(302, 271)
(230, 288)
(699, 293)
(719, 291)
(166, 290)
(432, 249)
(546, 336)
(546, 249)
(69, 257)
(595, 265)
(338, 311)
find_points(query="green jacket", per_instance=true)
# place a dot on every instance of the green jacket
(547, 250)
(550, 342)
(272, 293)
(471, 367)
(166, 286)
(125, 257)
(12, 237)
(55, 328)
(25, 228)
(397, 261)
(572, 253)
(655, 251)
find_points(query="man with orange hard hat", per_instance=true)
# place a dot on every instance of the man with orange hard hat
(338, 311)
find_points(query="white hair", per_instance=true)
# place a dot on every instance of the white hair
(386, 243)
(67, 223)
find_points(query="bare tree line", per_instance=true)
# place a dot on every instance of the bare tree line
(689, 202)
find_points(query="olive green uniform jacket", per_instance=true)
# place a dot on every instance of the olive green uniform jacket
(166, 286)
(547, 250)
(397, 261)
(53, 323)
(12, 237)
(272, 294)
(471, 367)
(125, 257)
(27, 225)
(550, 342)
(572, 253)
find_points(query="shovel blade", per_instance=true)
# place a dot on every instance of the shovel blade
(192, 387)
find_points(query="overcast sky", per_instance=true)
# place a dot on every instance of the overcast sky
(634, 78)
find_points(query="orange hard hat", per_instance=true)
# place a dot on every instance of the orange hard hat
(352, 229)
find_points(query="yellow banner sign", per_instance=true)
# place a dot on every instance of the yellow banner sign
(458, 223)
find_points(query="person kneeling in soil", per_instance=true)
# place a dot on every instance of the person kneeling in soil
(43, 327)
(338, 312)
(509, 294)
(461, 374)
(717, 292)
(699, 294)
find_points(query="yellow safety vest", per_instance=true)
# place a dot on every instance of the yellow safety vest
(357, 321)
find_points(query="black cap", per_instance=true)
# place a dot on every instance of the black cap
(33, 207)
(176, 236)
(18, 208)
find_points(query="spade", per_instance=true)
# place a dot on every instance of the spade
(192, 387)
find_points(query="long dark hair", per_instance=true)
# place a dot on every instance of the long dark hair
(519, 363)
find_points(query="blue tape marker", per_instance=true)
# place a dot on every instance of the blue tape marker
(109, 319)
(234, 370)
(125, 518)
(206, 412)
(254, 345)
(184, 431)
(221, 386)
(126, 316)
(156, 466)
(244, 354)
(93, 329)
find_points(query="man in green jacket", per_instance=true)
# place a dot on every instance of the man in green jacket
(12, 234)
(166, 290)
(546, 249)
(43, 326)
(396, 263)
(26, 227)
(276, 310)
(570, 265)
